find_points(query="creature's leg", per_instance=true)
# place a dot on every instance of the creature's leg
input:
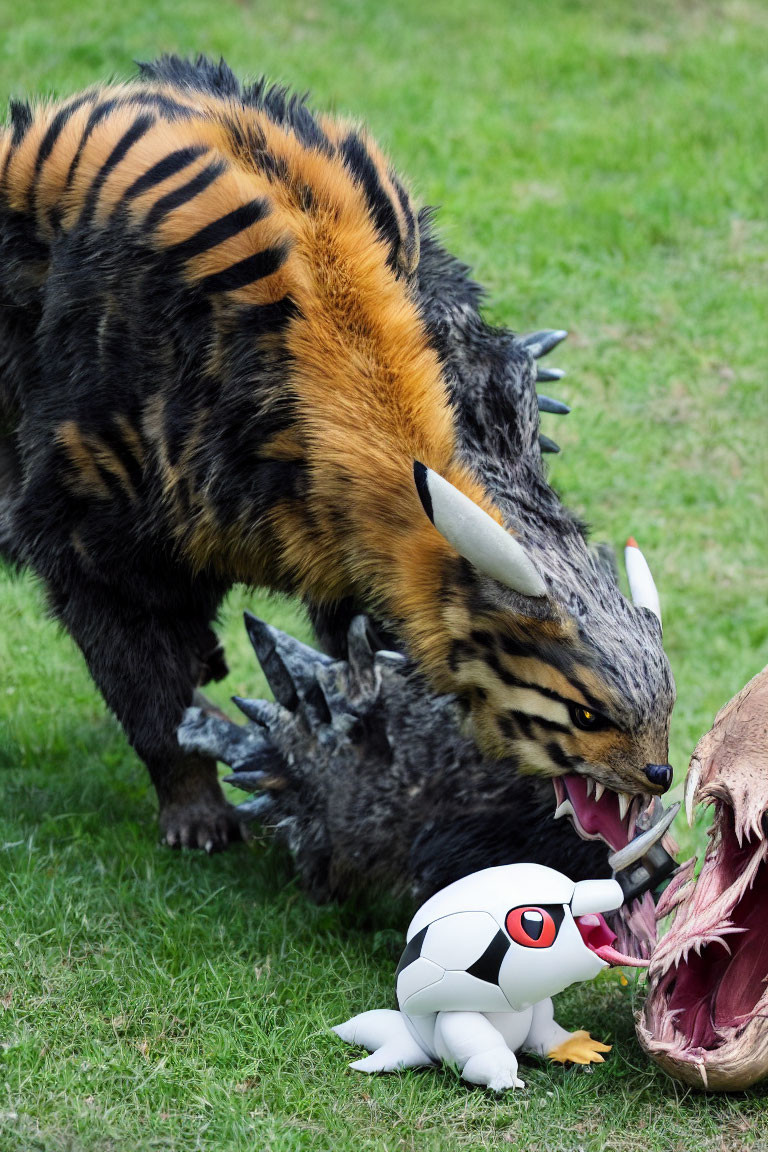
(385, 1034)
(469, 1040)
(147, 665)
(547, 1038)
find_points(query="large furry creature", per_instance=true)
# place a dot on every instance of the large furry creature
(232, 351)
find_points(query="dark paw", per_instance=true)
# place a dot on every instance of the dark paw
(207, 825)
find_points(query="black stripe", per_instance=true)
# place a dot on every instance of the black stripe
(561, 758)
(172, 200)
(55, 129)
(139, 128)
(169, 108)
(509, 678)
(21, 119)
(488, 966)
(245, 272)
(593, 702)
(220, 230)
(380, 205)
(422, 487)
(168, 166)
(550, 725)
(264, 319)
(511, 731)
(97, 115)
(412, 951)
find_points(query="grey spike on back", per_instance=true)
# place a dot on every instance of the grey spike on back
(548, 445)
(540, 343)
(546, 375)
(547, 404)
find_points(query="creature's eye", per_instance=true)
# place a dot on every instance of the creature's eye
(534, 925)
(586, 718)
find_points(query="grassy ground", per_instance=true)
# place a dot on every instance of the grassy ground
(603, 168)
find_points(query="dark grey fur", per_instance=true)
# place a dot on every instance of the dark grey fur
(367, 779)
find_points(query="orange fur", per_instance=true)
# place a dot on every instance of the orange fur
(364, 375)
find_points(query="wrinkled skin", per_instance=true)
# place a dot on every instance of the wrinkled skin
(705, 1019)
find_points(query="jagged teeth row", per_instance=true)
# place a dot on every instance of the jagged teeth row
(596, 789)
(680, 957)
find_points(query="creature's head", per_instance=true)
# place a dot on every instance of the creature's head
(506, 938)
(560, 673)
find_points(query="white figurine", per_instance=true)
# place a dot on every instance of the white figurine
(482, 959)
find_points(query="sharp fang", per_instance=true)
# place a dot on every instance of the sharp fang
(590, 785)
(640, 845)
(624, 802)
(599, 789)
(564, 809)
(691, 786)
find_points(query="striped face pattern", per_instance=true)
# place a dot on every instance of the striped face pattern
(226, 341)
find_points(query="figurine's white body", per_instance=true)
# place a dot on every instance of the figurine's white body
(482, 959)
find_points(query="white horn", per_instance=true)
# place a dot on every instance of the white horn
(475, 535)
(641, 585)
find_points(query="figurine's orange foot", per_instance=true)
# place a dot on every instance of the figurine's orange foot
(579, 1048)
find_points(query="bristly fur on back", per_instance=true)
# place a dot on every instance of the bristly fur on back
(227, 334)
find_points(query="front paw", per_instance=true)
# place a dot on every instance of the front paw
(209, 824)
(579, 1048)
(496, 1070)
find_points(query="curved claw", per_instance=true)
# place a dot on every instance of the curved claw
(547, 404)
(548, 445)
(540, 343)
(579, 1048)
(255, 808)
(263, 712)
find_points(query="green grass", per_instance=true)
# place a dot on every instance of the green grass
(602, 166)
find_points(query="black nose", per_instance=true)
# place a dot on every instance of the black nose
(660, 775)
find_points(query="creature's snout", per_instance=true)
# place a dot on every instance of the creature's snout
(660, 775)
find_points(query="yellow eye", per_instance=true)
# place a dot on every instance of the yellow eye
(586, 719)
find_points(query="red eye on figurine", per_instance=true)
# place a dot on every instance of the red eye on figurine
(533, 925)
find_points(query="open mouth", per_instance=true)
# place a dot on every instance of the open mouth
(599, 938)
(635, 828)
(706, 1015)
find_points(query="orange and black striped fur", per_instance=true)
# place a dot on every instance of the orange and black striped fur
(225, 335)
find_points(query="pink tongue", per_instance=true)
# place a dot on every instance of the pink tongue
(611, 956)
(599, 938)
